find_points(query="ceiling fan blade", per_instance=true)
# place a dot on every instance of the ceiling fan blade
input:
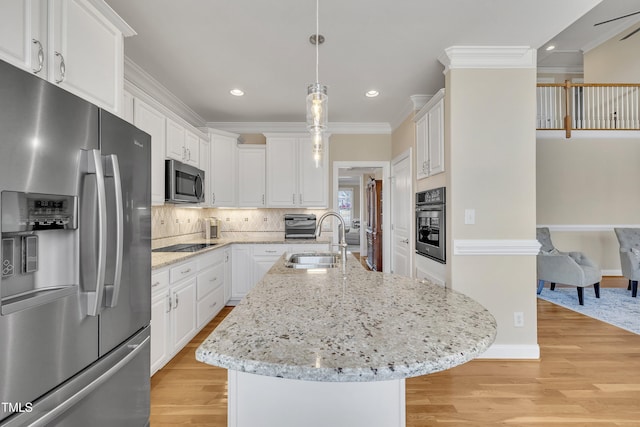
(630, 34)
(615, 19)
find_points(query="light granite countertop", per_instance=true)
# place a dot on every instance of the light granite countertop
(162, 259)
(362, 326)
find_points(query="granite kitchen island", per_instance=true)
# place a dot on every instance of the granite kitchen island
(323, 348)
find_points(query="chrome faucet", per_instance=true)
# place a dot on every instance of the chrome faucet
(343, 241)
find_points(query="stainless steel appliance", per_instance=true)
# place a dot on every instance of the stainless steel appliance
(75, 284)
(299, 226)
(211, 228)
(183, 183)
(430, 224)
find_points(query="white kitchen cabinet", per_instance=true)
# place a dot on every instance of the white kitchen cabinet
(228, 277)
(23, 34)
(242, 272)
(264, 256)
(182, 144)
(430, 137)
(160, 319)
(224, 176)
(127, 107)
(152, 122)
(210, 286)
(291, 175)
(183, 313)
(205, 165)
(76, 44)
(251, 176)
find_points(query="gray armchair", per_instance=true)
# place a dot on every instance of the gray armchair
(569, 268)
(629, 239)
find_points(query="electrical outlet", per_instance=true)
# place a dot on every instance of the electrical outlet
(518, 319)
(470, 216)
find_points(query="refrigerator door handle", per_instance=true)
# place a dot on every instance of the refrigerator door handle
(94, 166)
(113, 171)
(85, 391)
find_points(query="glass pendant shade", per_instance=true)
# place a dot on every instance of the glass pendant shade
(316, 138)
(317, 111)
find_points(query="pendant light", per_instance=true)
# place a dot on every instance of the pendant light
(317, 112)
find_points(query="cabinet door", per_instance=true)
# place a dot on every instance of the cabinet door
(86, 53)
(205, 165)
(242, 271)
(422, 148)
(152, 122)
(282, 178)
(160, 330)
(175, 141)
(313, 181)
(183, 313)
(228, 278)
(224, 160)
(22, 43)
(436, 138)
(192, 148)
(262, 264)
(251, 176)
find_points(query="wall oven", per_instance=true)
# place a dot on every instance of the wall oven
(430, 224)
(183, 183)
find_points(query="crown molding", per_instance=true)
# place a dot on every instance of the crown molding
(135, 76)
(457, 57)
(560, 70)
(113, 17)
(292, 127)
(419, 101)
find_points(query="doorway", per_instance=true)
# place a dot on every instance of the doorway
(348, 194)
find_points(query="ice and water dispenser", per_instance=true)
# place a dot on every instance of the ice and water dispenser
(38, 245)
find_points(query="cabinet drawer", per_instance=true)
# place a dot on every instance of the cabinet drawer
(183, 270)
(270, 250)
(209, 280)
(159, 281)
(309, 247)
(210, 258)
(210, 306)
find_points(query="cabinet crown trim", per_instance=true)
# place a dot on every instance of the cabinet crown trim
(429, 105)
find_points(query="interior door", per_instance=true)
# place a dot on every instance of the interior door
(401, 215)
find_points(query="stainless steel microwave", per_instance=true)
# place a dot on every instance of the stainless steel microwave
(183, 183)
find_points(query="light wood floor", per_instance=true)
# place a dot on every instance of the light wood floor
(588, 375)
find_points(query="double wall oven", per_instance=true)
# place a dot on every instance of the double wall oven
(430, 224)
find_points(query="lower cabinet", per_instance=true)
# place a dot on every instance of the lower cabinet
(185, 297)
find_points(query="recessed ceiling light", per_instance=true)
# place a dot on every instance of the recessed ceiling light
(550, 47)
(236, 92)
(372, 94)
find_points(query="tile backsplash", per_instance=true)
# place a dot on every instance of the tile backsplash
(170, 221)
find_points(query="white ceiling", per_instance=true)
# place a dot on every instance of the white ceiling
(200, 49)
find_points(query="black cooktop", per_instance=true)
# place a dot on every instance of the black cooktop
(185, 247)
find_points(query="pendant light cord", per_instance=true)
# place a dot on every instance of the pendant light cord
(317, 37)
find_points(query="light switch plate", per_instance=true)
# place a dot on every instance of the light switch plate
(470, 216)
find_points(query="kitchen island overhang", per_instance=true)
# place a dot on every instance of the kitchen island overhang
(311, 339)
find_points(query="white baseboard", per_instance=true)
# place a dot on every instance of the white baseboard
(611, 272)
(512, 351)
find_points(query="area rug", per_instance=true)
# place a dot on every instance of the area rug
(616, 306)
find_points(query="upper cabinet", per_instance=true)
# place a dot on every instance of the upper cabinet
(430, 137)
(292, 177)
(76, 44)
(152, 121)
(251, 171)
(223, 182)
(182, 144)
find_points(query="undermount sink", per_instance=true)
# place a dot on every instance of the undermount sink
(313, 260)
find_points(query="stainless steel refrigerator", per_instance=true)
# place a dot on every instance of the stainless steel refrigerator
(76, 260)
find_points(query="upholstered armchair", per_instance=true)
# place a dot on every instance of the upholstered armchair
(569, 268)
(629, 239)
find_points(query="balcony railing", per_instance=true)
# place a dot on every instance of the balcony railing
(587, 106)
